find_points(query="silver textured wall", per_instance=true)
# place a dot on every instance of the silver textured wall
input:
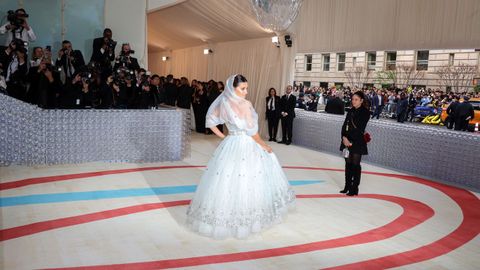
(30, 135)
(439, 154)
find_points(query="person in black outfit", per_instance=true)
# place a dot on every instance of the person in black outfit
(272, 113)
(451, 113)
(377, 103)
(78, 94)
(402, 106)
(212, 94)
(335, 106)
(463, 113)
(411, 104)
(45, 85)
(200, 108)
(69, 60)
(287, 112)
(104, 53)
(125, 59)
(171, 92)
(157, 89)
(16, 78)
(185, 93)
(353, 140)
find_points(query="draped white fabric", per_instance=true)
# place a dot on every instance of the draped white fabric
(258, 60)
(228, 28)
(228, 108)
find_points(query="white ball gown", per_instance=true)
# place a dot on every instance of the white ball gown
(243, 189)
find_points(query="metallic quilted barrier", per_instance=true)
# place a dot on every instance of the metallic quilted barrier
(30, 135)
(436, 153)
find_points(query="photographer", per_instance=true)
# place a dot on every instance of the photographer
(69, 60)
(17, 27)
(126, 60)
(145, 98)
(77, 93)
(104, 52)
(6, 55)
(17, 73)
(45, 85)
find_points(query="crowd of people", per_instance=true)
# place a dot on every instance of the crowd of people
(392, 103)
(65, 80)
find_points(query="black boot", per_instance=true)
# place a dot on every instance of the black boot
(357, 173)
(348, 178)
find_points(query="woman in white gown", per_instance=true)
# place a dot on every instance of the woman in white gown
(244, 189)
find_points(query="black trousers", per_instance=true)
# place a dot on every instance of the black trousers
(272, 126)
(461, 123)
(287, 128)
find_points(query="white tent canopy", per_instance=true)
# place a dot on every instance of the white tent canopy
(240, 45)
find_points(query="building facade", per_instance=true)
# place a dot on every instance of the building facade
(444, 69)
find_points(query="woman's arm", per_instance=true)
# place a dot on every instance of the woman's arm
(217, 132)
(259, 140)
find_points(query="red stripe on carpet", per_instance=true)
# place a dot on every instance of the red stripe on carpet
(65, 177)
(414, 213)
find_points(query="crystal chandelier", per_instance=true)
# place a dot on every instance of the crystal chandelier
(276, 15)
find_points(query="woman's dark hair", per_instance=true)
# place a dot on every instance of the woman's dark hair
(270, 90)
(362, 96)
(238, 79)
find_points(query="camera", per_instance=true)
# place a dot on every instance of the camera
(85, 76)
(123, 74)
(110, 43)
(15, 19)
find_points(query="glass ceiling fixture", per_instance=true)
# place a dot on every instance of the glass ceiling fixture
(276, 15)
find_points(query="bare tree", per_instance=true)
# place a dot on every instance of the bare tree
(459, 77)
(402, 76)
(358, 76)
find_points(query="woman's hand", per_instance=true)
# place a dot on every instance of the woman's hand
(346, 142)
(267, 148)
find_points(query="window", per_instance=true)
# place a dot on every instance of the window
(371, 60)
(354, 61)
(451, 59)
(422, 60)
(341, 61)
(391, 62)
(326, 62)
(324, 85)
(308, 62)
(307, 84)
(338, 85)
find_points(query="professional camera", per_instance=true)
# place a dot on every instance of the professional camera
(85, 76)
(110, 44)
(123, 74)
(15, 19)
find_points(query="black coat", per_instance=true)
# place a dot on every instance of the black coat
(354, 129)
(335, 106)
(76, 60)
(273, 113)
(104, 58)
(184, 99)
(171, 94)
(132, 66)
(288, 105)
